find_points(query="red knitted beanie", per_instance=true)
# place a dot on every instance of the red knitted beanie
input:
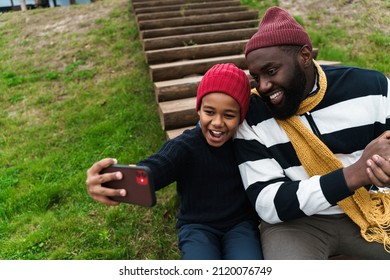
(229, 79)
(278, 28)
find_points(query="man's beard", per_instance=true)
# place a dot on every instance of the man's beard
(293, 95)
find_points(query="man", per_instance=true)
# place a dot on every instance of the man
(312, 138)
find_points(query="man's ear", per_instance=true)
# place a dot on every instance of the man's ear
(305, 56)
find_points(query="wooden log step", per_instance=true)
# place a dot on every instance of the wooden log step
(195, 52)
(161, 3)
(181, 88)
(181, 69)
(328, 62)
(180, 30)
(176, 88)
(187, 6)
(194, 20)
(178, 113)
(186, 13)
(198, 38)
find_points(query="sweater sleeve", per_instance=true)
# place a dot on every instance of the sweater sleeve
(166, 163)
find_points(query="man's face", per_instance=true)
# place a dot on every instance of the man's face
(281, 81)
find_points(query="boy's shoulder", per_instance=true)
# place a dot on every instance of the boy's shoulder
(189, 137)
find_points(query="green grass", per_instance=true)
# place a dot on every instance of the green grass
(73, 92)
(66, 107)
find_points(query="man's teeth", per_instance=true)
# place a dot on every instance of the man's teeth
(276, 94)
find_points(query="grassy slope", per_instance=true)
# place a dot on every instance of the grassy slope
(74, 89)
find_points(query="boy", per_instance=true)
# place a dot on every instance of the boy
(215, 220)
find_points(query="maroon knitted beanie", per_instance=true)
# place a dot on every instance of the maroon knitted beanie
(278, 28)
(229, 79)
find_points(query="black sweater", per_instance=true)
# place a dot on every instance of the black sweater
(208, 180)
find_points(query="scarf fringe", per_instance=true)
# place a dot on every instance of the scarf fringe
(379, 235)
(371, 212)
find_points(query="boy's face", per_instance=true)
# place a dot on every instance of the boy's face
(219, 118)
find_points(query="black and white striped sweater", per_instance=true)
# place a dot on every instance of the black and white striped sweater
(354, 111)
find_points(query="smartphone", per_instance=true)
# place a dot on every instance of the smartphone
(137, 182)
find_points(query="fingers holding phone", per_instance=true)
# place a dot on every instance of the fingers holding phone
(96, 179)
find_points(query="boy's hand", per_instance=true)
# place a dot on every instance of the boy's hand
(95, 180)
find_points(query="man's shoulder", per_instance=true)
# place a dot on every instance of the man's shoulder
(356, 79)
(338, 70)
(257, 111)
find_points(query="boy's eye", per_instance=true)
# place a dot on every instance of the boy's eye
(230, 116)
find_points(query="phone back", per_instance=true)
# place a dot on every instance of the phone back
(137, 182)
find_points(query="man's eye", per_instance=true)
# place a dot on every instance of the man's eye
(272, 71)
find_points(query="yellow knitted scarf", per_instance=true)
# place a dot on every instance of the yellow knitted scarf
(370, 211)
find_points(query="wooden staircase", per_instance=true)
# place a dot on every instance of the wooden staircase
(181, 40)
